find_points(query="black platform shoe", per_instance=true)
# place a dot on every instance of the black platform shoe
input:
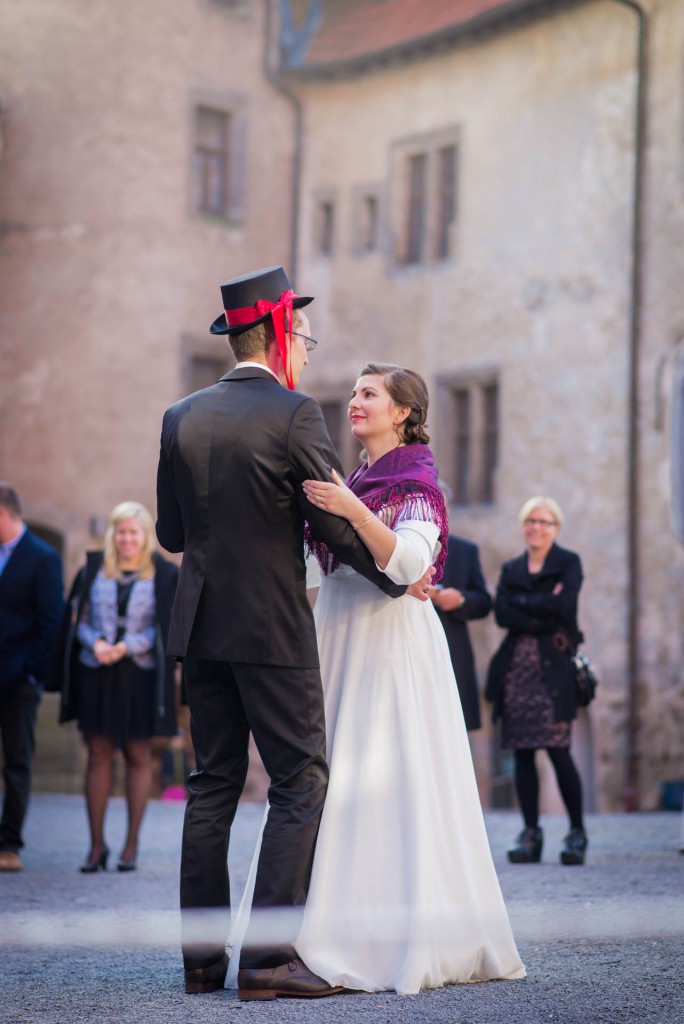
(574, 847)
(91, 866)
(529, 848)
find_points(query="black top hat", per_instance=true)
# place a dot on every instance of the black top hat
(241, 294)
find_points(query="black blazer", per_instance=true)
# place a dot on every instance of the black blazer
(462, 570)
(525, 605)
(31, 602)
(65, 677)
(229, 495)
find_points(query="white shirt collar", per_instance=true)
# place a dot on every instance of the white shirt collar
(259, 366)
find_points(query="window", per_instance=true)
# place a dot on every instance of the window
(446, 200)
(490, 439)
(211, 160)
(218, 159)
(462, 445)
(416, 213)
(231, 5)
(369, 239)
(366, 209)
(469, 440)
(52, 537)
(326, 227)
(424, 197)
(205, 371)
(203, 363)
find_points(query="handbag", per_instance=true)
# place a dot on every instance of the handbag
(585, 678)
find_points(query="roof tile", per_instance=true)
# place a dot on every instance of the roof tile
(355, 28)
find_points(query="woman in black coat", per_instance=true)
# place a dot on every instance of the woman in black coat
(531, 680)
(116, 679)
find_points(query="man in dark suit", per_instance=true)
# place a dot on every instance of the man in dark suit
(462, 596)
(232, 463)
(31, 601)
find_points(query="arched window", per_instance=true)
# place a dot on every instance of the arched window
(50, 536)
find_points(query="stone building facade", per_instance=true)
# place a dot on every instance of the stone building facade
(472, 177)
(145, 156)
(466, 187)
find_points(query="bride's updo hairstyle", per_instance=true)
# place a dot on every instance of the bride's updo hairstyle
(406, 388)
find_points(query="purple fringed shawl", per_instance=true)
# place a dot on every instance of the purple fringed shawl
(407, 472)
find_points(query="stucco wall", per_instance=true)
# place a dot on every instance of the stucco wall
(104, 267)
(538, 289)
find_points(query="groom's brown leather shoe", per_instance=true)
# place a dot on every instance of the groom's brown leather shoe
(293, 979)
(207, 979)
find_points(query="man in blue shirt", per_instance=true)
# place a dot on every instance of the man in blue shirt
(31, 602)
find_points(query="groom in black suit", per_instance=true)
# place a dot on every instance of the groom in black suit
(31, 601)
(232, 463)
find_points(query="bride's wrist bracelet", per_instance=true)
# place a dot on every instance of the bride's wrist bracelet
(364, 522)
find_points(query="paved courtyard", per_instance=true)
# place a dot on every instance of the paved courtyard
(603, 943)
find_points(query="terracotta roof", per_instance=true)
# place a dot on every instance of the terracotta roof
(351, 30)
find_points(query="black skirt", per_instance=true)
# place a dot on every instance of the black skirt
(117, 701)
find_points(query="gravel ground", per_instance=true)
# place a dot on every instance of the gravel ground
(602, 943)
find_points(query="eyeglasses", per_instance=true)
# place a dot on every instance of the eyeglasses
(309, 343)
(541, 522)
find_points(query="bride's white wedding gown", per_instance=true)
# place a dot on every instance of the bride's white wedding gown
(403, 892)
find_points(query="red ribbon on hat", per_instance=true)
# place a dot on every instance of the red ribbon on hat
(281, 315)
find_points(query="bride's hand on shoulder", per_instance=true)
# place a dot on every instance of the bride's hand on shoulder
(335, 497)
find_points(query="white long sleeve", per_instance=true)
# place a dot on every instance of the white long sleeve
(416, 548)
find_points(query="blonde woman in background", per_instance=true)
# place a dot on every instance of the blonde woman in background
(116, 680)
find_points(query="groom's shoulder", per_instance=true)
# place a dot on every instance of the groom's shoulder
(270, 401)
(188, 401)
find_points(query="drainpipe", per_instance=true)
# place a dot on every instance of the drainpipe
(276, 81)
(631, 791)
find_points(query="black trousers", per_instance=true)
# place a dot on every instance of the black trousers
(283, 708)
(17, 731)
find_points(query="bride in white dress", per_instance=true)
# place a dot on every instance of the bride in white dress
(403, 891)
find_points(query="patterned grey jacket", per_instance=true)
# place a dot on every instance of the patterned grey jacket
(100, 619)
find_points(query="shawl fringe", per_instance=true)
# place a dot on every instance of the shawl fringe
(395, 497)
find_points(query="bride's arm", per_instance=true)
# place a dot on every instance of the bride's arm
(410, 559)
(339, 500)
(414, 551)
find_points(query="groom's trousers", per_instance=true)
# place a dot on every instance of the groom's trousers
(283, 708)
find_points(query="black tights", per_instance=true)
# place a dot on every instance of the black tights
(527, 785)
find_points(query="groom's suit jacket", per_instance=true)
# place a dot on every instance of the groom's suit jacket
(229, 495)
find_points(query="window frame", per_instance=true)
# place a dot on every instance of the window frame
(194, 348)
(348, 448)
(361, 244)
(235, 109)
(469, 451)
(325, 222)
(419, 238)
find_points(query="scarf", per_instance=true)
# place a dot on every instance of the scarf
(399, 475)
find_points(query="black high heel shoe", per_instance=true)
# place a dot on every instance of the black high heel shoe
(529, 848)
(92, 866)
(127, 865)
(574, 847)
